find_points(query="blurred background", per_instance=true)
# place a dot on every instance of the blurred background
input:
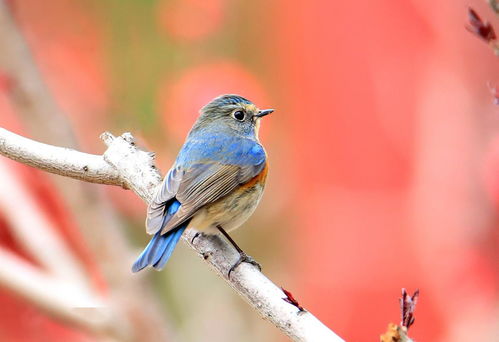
(384, 164)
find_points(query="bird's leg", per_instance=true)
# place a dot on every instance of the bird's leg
(243, 257)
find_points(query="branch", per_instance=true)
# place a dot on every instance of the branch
(61, 161)
(129, 167)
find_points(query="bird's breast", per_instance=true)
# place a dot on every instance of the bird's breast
(258, 179)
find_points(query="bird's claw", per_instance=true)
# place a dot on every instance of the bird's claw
(243, 257)
(198, 234)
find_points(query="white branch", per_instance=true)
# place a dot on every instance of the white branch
(59, 160)
(123, 164)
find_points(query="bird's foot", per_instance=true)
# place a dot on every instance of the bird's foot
(243, 257)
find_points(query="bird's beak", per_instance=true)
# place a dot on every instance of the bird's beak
(264, 112)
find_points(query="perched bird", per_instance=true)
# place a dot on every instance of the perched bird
(215, 183)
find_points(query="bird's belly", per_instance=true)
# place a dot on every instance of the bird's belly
(230, 211)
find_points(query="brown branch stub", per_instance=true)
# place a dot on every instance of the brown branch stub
(407, 308)
(395, 333)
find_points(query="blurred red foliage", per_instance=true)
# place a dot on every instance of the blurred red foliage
(389, 193)
(71, 58)
(181, 99)
(491, 170)
(191, 20)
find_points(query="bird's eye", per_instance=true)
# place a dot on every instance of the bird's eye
(239, 115)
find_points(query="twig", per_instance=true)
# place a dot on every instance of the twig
(137, 172)
(483, 30)
(398, 333)
(407, 308)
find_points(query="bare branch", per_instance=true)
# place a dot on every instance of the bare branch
(58, 160)
(137, 172)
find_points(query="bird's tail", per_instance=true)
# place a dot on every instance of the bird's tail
(159, 249)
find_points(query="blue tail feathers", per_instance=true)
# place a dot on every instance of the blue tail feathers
(161, 247)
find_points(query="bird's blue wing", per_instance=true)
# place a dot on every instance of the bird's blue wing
(204, 172)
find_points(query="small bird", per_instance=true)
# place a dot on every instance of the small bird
(215, 183)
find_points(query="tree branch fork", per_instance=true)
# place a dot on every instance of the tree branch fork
(125, 165)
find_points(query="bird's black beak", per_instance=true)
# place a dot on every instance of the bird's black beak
(264, 112)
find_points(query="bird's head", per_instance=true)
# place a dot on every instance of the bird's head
(231, 113)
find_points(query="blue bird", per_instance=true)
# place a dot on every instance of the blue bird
(215, 183)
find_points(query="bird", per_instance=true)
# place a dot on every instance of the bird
(215, 183)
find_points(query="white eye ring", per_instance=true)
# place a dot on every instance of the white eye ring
(239, 115)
